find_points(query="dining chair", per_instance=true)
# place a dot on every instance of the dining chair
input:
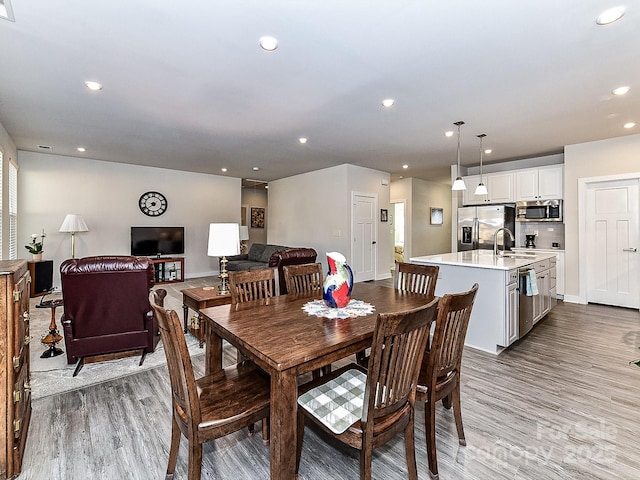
(365, 409)
(209, 407)
(439, 377)
(249, 285)
(305, 278)
(414, 278)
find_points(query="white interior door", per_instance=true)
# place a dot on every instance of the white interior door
(612, 218)
(363, 253)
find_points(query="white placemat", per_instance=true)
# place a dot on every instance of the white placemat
(355, 308)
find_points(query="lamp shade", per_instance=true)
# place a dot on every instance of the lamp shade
(244, 232)
(73, 223)
(224, 239)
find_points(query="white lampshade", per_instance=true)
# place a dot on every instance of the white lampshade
(481, 189)
(73, 223)
(224, 239)
(458, 184)
(244, 232)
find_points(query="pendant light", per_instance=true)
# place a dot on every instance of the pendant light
(459, 183)
(481, 189)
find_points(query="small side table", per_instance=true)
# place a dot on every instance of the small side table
(53, 336)
(197, 299)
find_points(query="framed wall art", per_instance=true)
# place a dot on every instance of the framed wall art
(257, 217)
(436, 216)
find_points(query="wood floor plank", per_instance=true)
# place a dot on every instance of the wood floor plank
(561, 404)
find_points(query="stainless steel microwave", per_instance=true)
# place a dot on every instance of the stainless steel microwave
(539, 211)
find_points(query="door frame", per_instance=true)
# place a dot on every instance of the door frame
(373, 196)
(583, 185)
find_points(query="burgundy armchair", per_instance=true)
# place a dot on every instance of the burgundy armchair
(106, 306)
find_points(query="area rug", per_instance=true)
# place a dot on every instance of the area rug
(51, 376)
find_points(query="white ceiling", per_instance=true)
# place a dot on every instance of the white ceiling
(187, 87)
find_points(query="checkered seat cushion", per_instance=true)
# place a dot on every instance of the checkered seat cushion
(337, 403)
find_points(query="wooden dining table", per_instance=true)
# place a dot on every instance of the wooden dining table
(285, 342)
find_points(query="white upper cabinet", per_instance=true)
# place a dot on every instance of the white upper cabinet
(542, 183)
(499, 185)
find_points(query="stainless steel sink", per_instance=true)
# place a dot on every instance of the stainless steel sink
(518, 255)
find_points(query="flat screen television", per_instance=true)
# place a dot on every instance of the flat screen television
(157, 241)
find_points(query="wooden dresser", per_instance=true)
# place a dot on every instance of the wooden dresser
(15, 375)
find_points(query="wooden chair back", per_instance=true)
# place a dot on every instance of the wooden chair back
(414, 278)
(305, 278)
(399, 343)
(181, 376)
(445, 356)
(249, 285)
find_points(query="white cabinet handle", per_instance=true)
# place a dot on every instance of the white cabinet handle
(632, 250)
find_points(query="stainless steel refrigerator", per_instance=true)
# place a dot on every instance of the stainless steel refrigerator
(476, 226)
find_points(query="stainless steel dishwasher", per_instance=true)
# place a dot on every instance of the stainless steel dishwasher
(527, 303)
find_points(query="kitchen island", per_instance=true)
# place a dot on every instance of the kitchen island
(496, 317)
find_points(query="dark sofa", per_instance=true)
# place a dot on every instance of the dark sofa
(262, 255)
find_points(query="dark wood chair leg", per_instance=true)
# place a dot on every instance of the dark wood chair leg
(195, 460)
(252, 430)
(430, 433)
(265, 431)
(410, 449)
(446, 402)
(457, 415)
(144, 354)
(366, 456)
(173, 451)
(299, 438)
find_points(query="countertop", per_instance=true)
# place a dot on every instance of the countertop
(543, 250)
(483, 259)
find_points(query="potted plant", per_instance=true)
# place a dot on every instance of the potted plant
(36, 247)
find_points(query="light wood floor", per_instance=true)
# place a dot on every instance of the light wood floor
(562, 404)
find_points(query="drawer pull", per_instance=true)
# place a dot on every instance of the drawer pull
(27, 339)
(17, 396)
(26, 316)
(16, 362)
(17, 423)
(27, 385)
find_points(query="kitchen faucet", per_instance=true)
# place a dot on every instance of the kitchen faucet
(496, 249)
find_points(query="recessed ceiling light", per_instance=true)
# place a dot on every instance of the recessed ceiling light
(388, 102)
(629, 125)
(448, 134)
(6, 11)
(405, 166)
(303, 140)
(91, 85)
(223, 169)
(266, 187)
(621, 90)
(610, 15)
(255, 169)
(488, 151)
(81, 149)
(268, 43)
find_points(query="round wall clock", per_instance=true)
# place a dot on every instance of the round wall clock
(152, 203)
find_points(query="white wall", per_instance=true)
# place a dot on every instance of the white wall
(422, 238)
(255, 197)
(106, 195)
(314, 210)
(593, 159)
(9, 154)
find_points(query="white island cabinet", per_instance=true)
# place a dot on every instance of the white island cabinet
(495, 315)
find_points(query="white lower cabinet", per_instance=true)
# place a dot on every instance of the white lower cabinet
(511, 330)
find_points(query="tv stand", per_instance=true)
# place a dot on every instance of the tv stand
(168, 270)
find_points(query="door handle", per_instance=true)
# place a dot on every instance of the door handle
(632, 250)
(373, 243)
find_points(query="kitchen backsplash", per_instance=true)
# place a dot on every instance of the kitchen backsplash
(547, 233)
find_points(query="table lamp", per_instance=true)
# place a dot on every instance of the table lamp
(244, 236)
(73, 223)
(224, 239)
